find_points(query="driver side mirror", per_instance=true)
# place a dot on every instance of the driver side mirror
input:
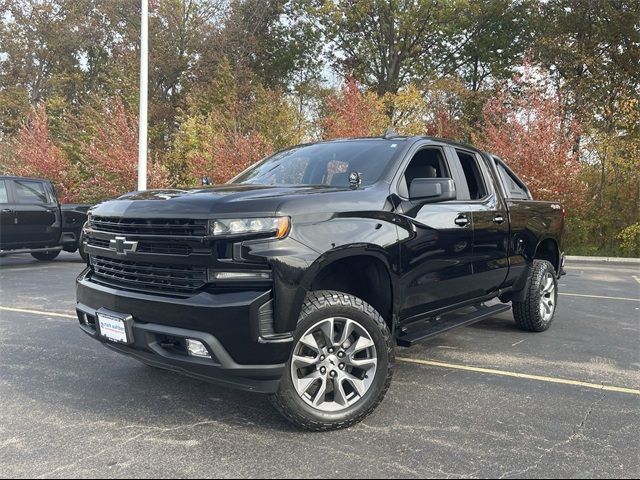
(432, 190)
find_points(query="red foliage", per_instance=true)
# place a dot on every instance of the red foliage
(442, 125)
(531, 133)
(230, 154)
(352, 114)
(113, 157)
(37, 156)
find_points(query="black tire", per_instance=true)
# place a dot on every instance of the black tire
(319, 306)
(46, 256)
(528, 314)
(81, 251)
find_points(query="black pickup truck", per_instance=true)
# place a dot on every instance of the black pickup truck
(300, 276)
(32, 221)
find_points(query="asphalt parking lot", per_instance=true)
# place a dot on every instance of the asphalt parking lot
(483, 401)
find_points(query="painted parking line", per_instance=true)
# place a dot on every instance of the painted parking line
(526, 376)
(430, 363)
(637, 279)
(37, 312)
(600, 296)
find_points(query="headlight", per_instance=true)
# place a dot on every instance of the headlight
(279, 226)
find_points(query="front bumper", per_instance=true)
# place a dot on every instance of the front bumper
(227, 323)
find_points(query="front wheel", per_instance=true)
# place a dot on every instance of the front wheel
(536, 312)
(81, 250)
(341, 365)
(46, 256)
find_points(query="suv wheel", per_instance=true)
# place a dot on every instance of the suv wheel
(341, 364)
(46, 256)
(536, 312)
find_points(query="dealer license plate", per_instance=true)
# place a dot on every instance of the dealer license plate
(113, 328)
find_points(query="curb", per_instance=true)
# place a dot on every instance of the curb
(631, 261)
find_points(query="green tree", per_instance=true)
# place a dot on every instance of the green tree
(386, 43)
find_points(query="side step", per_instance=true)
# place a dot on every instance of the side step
(440, 326)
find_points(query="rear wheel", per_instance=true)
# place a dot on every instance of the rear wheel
(46, 255)
(341, 364)
(536, 312)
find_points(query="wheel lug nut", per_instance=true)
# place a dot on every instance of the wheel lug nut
(323, 370)
(340, 354)
(331, 350)
(341, 366)
(333, 373)
(322, 358)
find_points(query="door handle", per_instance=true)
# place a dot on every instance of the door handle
(499, 219)
(7, 210)
(462, 220)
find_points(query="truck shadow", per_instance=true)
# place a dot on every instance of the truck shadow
(496, 324)
(27, 261)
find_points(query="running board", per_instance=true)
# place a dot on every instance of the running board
(440, 326)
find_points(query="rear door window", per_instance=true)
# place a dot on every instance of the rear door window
(4, 194)
(512, 186)
(31, 192)
(473, 175)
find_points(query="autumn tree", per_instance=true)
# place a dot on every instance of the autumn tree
(111, 157)
(352, 113)
(33, 154)
(526, 127)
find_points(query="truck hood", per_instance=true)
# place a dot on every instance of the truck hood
(224, 200)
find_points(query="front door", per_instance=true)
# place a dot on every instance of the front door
(7, 217)
(436, 241)
(37, 214)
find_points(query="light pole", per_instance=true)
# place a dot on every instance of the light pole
(144, 85)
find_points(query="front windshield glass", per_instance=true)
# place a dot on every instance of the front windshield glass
(327, 163)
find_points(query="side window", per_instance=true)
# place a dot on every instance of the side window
(473, 175)
(31, 192)
(4, 195)
(426, 163)
(512, 186)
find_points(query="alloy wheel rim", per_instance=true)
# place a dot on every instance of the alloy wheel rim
(334, 364)
(547, 297)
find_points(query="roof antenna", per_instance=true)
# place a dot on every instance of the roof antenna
(389, 133)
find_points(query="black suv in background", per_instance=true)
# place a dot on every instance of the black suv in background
(300, 276)
(32, 221)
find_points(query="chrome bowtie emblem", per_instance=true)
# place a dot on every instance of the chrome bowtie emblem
(122, 246)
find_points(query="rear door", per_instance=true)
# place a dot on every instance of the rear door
(7, 216)
(38, 219)
(490, 222)
(518, 199)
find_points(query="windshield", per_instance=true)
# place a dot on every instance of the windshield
(324, 164)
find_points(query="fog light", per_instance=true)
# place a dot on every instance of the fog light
(197, 349)
(241, 275)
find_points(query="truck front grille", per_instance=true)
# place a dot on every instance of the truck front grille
(146, 276)
(150, 246)
(150, 226)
